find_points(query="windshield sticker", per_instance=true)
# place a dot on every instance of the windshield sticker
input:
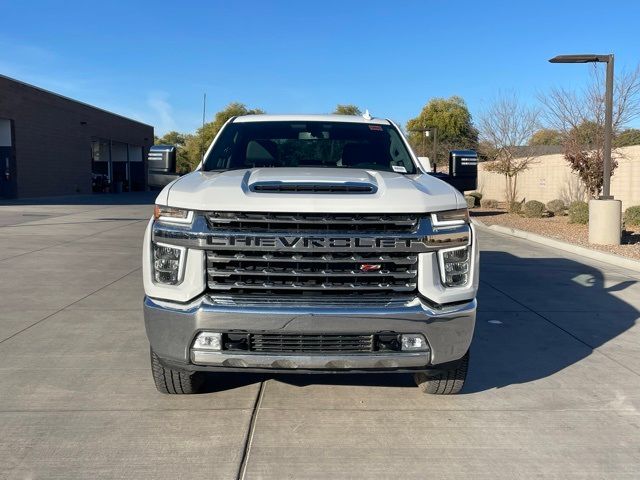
(377, 128)
(399, 168)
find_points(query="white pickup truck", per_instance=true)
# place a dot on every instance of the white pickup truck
(310, 244)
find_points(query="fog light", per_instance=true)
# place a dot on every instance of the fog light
(413, 342)
(208, 341)
(168, 262)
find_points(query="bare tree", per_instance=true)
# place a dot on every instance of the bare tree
(579, 116)
(505, 129)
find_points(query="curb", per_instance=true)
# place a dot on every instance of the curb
(560, 245)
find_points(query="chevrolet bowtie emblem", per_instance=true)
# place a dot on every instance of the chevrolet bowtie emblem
(370, 267)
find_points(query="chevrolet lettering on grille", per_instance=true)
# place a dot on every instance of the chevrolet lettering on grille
(304, 243)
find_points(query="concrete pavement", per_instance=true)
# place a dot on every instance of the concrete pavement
(553, 389)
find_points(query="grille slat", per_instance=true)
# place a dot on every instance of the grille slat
(275, 257)
(286, 272)
(366, 300)
(315, 286)
(296, 222)
(293, 343)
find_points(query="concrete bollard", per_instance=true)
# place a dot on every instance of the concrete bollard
(605, 222)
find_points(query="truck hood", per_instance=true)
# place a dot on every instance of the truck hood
(233, 191)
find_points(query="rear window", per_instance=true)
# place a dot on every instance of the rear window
(309, 144)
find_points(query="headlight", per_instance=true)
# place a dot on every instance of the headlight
(455, 266)
(450, 218)
(168, 263)
(172, 214)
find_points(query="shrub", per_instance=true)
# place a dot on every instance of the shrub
(557, 207)
(632, 216)
(471, 201)
(533, 209)
(579, 213)
(489, 203)
(515, 207)
(477, 196)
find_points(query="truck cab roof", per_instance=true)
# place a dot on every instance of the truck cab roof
(310, 118)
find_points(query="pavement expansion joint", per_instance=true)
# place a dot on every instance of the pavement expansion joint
(250, 433)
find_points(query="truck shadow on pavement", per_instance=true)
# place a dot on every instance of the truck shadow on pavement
(536, 317)
(218, 382)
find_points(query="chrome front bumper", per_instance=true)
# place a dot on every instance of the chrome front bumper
(172, 327)
(359, 361)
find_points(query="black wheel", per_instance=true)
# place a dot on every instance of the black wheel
(448, 382)
(172, 381)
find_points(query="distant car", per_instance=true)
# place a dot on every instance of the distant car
(310, 244)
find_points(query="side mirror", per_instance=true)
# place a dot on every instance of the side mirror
(425, 163)
(162, 158)
(161, 165)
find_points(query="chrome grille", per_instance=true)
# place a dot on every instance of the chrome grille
(319, 222)
(310, 272)
(309, 343)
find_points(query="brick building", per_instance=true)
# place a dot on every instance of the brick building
(53, 145)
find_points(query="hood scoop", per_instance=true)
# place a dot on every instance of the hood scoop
(312, 187)
(310, 180)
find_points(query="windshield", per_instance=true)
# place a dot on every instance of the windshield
(309, 144)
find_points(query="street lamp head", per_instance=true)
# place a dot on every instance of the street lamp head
(582, 58)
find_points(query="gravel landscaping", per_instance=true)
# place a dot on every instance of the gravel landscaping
(560, 229)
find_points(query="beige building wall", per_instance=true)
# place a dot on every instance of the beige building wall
(550, 177)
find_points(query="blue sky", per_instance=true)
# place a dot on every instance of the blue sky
(153, 60)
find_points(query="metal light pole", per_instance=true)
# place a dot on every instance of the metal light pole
(608, 110)
(429, 132)
(604, 217)
(434, 143)
(608, 130)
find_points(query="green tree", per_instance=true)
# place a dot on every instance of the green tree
(587, 134)
(627, 138)
(171, 138)
(546, 136)
(197, 144)
(455, 130)
(347, 109)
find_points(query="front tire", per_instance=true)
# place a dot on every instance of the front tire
(447, 382)
(173, 381)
